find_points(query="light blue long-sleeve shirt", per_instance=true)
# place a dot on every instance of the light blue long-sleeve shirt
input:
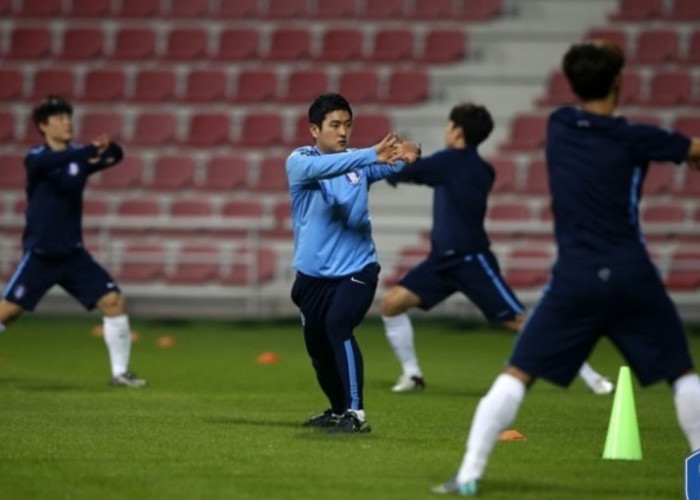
(330, 209)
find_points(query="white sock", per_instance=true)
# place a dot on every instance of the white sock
(360, 414)
(588, 374)
(399, 333)
(2, 328)
(495, 412)
(686, 395)
(117, 336)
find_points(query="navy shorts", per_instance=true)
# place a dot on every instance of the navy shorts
(475, 275)
(78, 274)
(626, 302)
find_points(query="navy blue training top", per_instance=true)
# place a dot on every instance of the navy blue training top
(55, 184)
(462, 181)
(596, 167)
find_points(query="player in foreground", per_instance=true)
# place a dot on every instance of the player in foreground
(460, 259)
(334, 254)
(54, 254)
(603, 282)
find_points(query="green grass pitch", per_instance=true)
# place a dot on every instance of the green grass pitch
(214, 424)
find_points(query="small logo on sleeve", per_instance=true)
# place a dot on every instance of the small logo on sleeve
(19, 292)
(73, 169)
(353, 178)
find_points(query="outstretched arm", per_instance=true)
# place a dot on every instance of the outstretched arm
(43, 161)
(110, 155)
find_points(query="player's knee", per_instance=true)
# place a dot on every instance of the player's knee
(9, 311)
(112, 304)
(392, 305)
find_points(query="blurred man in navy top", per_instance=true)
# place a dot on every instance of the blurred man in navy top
(54, 253)
(460, 258)
(603, 282)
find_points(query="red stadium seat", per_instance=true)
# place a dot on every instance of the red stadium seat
(392, 46)
(139, 207)
(272, 175)
(528, 267)
(30, 43)
(172, 173)
(238, 45)
(153, 85)
(670, 88)
(537, 180)
(445, 46)
(631, 91)
(31, 135)
(637, 10)
(247, 209)
(20, 207)
(659, 179)
(656, 46)
(95, 207)
(82, 44)
(5, 6)
(335, 9)
(154, 129)
(505, 180)
(7, 126)
(688, 125)
(125, 175)
(432, 9)
(196, 264)
(616, 36)
(89, 8)
(510, 211)
(645, 119)
(139, 8)
(209, 129)
(684, 10)
(53, 81)
(189, 9)
(369, 129)
(665, 213)
(191, 208)
(283, 217)
(240, 9)
(261, 130)
(407, 87)
(205, 86)
(479, 10)
(134, 44)
(305, 85)
(11, 81)
(342, 45)
(142, 263)
(685, 271)
(558, 91)
(251, 267)
(94, 124)
(289, 45)
(386, 9)
(256, 86)
(302, 135)
(12, 174)
(359, 86)
(693, 54)
(286, 9)
(104, 85)
(186, 44)
(39, 8)
(226, 173)
(527, 133)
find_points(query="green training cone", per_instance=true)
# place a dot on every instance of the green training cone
(623, 441)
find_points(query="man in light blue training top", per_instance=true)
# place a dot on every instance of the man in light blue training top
(334, 254)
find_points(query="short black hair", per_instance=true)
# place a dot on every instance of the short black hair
(474, 120)
(49, 106)
(327, 103)
(592, 68)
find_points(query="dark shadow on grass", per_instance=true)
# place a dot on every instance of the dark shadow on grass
(248, 421)
(432, 390)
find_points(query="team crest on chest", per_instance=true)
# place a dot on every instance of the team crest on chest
(353, 178)
(73, 169)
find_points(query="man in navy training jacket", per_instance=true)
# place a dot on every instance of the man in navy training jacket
(54, 254)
